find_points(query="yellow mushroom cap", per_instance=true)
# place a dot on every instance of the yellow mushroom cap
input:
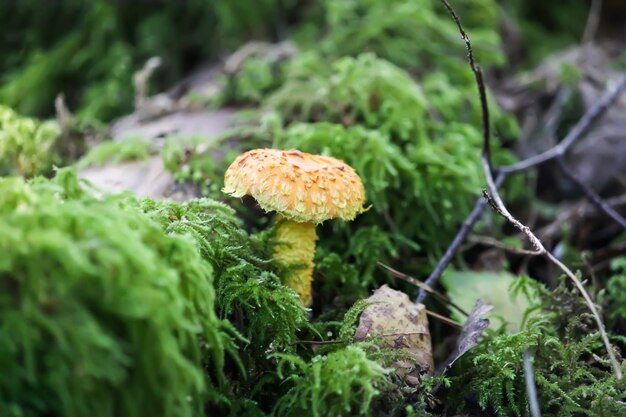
(300, 186)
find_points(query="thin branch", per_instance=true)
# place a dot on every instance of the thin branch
(574, 134)
(591, 195)
(444, 319)
(422, 286)
(554, 113)
(531, 388)
(593, 20)
(447, 257)
(494, 197)
(578, 212)
(141, 78)
(319, 342)
(486, 240)
(593, 114)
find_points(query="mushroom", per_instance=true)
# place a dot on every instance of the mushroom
(304, 190)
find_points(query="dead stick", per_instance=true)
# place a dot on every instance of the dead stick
(593, 114)
(574, 134)
(591, 195)
(422, 286)
(445, 260)
(495, 199)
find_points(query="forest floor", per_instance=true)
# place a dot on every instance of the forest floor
(486, 277)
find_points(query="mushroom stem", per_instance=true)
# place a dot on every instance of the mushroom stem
(296, 247)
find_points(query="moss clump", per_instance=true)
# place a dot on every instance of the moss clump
(256, 78)
(412, 34)
(616, 290)
(363, 90)
(27, 146)
(571, 369)
(249, 293)
(107, 314)
(248, 284)
(342, 383)
(374, 93)
(90, 50)
(115, 152)
(192, 159)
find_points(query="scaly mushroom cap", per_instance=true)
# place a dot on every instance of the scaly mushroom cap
(300, 186)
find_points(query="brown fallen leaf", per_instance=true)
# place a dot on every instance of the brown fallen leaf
(403, 325)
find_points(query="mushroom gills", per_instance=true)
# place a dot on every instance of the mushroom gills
(295, 248)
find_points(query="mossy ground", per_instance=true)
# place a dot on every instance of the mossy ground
(113, 306)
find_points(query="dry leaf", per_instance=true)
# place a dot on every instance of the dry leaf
(473, 328)
(396, 319)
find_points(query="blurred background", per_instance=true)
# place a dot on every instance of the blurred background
(89, 50)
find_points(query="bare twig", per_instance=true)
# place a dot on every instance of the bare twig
(141, 78)
(494, 197)
(593, 20)
(319, 342)
(467, 226)
(531, 389)
(444, 319)
(575, 133)
(593, 114)
(593, 197)
(422, 286)
(486, 240)
(555, 111)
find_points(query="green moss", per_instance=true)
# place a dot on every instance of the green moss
(193, 159)
(371, 91)
(256, 78)
(363, 90)
(246, 281)
(342, 383)
(27, 146)
(616, 290)
(90, 50)
(571, 368)
(115, 152)
(105, 311)
(416, 35)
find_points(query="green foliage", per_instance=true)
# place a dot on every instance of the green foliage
(544, 28)
(107, 314)
(373, 92)
(616, 289)
(114, 152)
(192, 159)
(249, 293)
(414, 34)
(90, 50)
(27, 146)
(571, 368)
(256, 78)
(364, 90)
(342, 383)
